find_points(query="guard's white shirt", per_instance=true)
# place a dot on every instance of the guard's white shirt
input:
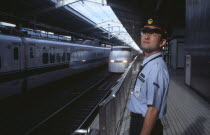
(151, 87)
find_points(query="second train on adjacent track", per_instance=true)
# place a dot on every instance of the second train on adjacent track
(27, 63)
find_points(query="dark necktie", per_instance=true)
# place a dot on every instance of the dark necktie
(141, 68)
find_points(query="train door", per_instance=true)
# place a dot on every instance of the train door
(10, 56)
(16, 53)
(188, 70)
(69, 56)
(45, 55)
(63, 54)
(32, 61)
(52, 54)
(2, 50)
(174, 53)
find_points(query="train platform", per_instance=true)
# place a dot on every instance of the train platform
(187, 113)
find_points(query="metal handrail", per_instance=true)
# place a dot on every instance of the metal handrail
(113, 107)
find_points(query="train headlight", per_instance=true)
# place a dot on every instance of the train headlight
(125, 61)
(112, 61)
(83, 60)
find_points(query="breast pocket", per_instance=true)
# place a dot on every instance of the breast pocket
(140, 93)
(137, 88)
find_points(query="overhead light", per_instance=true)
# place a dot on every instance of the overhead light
(50, 33)
(7, 24)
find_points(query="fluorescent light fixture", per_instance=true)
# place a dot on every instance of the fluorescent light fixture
(81, 131)
(66, 2)
(50, 33)
(7, 24)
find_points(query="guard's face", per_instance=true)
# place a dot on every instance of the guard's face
(151, 41)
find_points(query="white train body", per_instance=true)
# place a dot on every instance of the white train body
(26, 63)
(119, 59)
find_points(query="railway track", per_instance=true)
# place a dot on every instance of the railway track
(76, 112)
(19, 114)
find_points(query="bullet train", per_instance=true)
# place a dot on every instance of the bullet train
(119, 59)
(26, 63)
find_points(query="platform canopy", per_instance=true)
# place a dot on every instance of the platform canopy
(57, 16)
(100, 13)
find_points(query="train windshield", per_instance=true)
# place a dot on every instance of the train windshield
(121, 49)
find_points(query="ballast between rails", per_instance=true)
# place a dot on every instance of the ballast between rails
(65, 106)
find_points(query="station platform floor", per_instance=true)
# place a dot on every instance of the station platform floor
(187, 113)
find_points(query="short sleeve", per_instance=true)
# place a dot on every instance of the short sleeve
(155, 88)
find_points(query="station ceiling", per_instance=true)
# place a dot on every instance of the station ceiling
(134, 13)
(42, 14)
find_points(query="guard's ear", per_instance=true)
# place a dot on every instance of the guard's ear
(162, 42)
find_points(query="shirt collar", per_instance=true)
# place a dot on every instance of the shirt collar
(151, 57)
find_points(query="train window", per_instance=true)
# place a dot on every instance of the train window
(81, 56)
(58, 57)
(52, 58)
(68, 56)
(72, 56)
(16, 54)
(75, 56)
(64, 57)
(31, 53)
(45, 58)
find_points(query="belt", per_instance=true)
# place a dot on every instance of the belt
(137, 114)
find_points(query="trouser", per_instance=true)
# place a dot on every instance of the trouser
(136, 124)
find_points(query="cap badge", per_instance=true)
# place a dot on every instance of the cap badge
(150, 21)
